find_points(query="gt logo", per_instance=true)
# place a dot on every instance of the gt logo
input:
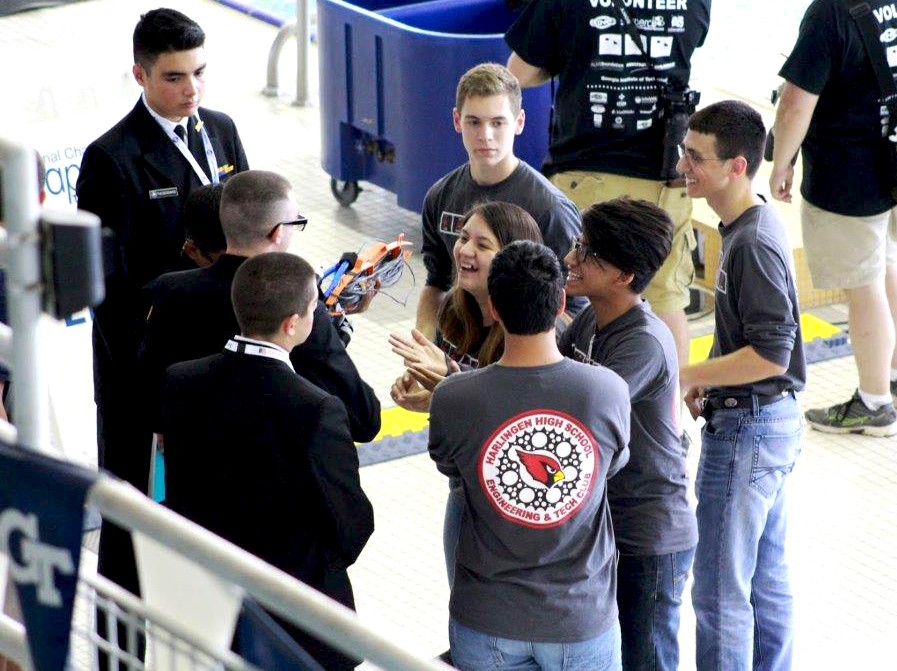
(39, 561)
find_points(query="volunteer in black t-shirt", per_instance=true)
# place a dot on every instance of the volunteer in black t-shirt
(607, 138)
(831, 109)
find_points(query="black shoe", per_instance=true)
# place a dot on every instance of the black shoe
(446, 657)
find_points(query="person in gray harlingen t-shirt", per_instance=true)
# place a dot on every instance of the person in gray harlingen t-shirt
(533, 439)
(746, 392)
(624, 243)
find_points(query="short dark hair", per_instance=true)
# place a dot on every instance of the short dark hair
(202, 222)
(737, 129)
(634, 235)
(162, 31)
(526, 286)
(248, 205)
(270, 287)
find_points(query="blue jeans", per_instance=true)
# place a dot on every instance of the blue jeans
(649, 594)
(475, 651)
(742, 597)
(451, 526)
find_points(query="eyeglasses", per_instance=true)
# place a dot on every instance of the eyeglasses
(695, 158)
(581, 251)
(299, 222)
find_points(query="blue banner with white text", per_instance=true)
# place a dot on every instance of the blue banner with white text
(41, 517)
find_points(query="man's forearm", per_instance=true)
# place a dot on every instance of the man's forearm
(427, 309)
(742, 366)
(793, 116)
(528, 75)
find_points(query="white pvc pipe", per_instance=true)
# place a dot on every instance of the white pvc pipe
(13, 642)
(140, 610)
(21, 210)
(274, 589)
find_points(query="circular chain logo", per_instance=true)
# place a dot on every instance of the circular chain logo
(538, 468)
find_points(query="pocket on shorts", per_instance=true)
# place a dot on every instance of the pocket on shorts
(582, 188)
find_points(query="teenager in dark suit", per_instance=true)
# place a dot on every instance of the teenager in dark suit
(259, 455)
(135, 178)
(192, 317)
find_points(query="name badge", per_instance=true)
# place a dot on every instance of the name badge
(170, 192)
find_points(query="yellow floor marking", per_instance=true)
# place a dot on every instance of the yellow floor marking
(396, 421)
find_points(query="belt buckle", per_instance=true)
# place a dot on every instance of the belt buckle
(730, 402)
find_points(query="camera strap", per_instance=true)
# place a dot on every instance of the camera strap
(861, 12)
(636, 37)
(633, 33)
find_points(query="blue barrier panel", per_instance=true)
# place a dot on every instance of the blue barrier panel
(388, 72)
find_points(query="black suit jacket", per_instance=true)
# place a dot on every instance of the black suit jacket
(122, 175)
(192, 317)
(263, 458)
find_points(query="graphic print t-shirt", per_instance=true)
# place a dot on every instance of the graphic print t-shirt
(606, 114)
(533, 448)
(845, 156)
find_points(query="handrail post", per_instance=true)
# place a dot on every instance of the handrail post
(21, 211)
(298, 27)
(302, 35)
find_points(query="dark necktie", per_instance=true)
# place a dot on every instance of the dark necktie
(194, 143)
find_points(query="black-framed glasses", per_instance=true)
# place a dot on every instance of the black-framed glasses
(582, 251)
(693, 157)
(299, 222)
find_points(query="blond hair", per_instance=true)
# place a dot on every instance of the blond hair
(489, 79)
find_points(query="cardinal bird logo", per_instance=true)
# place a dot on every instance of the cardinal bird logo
(540, 468)
(537, 469)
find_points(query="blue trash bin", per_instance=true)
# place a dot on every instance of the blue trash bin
(388, 72)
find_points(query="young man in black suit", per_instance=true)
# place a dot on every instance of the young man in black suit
(259, 455)
(136, 178)
(192, 317)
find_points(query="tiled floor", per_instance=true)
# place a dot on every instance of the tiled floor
(65, 78)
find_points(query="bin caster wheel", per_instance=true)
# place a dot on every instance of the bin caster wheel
(345, 193)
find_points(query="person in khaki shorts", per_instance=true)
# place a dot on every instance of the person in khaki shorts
(830, 110)
(607, 134)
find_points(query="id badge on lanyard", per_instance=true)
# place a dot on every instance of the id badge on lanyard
(212, 163)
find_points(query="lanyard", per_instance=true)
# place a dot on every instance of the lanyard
(258, 348)
(211, 161)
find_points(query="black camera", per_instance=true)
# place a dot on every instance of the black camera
(677, 107)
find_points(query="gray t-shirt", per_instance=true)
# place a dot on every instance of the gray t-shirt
(533, 447)
(452, 196)
(649, 498)
(756, 300)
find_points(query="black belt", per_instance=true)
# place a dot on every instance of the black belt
(723, 402)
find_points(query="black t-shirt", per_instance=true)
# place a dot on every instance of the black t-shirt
(606, 103)
(845, 157)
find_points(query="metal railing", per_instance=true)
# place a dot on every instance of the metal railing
(124, 505)
(298, 28)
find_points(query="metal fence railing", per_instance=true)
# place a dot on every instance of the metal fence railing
(123, 505)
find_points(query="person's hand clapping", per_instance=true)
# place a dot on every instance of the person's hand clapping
(409, 394)
(419, 351)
